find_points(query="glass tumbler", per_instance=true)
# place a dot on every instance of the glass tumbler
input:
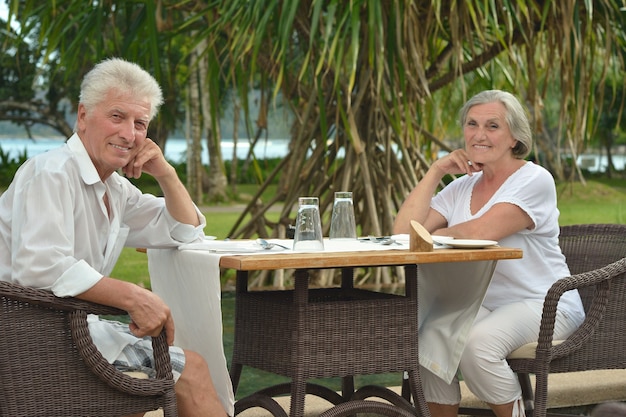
(342, 224)
(308, 235)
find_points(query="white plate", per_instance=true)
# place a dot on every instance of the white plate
(442, 239)
(470, 243)
(403, 237)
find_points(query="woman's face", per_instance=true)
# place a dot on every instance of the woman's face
(487, 134)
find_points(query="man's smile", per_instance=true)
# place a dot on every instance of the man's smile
(121, 148)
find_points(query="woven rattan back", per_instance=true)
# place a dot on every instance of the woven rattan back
(43, 372)
(591, 246)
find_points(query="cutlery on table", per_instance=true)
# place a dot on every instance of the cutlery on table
(268, 245)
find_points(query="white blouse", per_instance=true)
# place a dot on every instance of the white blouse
(532, 189)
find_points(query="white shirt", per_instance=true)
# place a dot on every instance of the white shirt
(532, 189)
(55, 233)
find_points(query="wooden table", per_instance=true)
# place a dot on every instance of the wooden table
(333, 332)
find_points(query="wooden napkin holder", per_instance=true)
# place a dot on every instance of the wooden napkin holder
(419, 238)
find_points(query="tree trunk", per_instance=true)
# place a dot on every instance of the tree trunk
(216, 181)
(194, 139)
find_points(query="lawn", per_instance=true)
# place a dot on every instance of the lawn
(596, 202)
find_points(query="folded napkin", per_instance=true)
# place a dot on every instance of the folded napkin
(229, 246)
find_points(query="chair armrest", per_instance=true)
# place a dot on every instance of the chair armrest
(600, 278)
(109, 374)
(45, 298)
(77, 311)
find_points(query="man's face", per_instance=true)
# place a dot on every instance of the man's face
(113, 130)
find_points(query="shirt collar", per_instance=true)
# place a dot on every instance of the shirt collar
(88, 171)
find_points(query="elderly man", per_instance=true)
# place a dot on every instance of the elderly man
(68, 213)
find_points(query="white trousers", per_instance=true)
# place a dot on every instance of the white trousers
(483, 364)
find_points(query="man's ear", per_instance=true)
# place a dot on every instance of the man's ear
(81, 114)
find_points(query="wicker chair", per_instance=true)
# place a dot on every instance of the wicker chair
(595, 254)
(51, 368)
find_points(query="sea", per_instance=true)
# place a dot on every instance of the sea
(175, 148)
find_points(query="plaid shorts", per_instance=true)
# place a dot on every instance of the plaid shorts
(138, 357)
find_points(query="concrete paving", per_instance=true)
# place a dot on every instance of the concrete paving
(565, 390)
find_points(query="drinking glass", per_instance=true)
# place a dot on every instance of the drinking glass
(308, 235)
(342, 224)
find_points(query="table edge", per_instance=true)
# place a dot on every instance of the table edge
(363, 258)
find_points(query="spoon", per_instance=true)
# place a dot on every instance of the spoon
(389, 241)
(383, 240)
(268, 245)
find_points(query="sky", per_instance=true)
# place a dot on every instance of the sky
(4, 12)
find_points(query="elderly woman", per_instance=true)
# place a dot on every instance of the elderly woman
(502, 197)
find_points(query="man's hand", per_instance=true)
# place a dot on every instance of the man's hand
(149, 159)
(148, 312)
(149, 316)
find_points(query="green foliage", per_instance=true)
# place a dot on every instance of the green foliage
(18, 69)
(247, 173)
(8, 166)
(254, 172)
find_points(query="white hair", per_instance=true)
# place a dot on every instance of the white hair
(116, 74)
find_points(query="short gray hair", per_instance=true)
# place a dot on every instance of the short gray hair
(516, 117)
(116, 74)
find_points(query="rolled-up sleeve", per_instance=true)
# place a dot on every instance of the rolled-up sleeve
(76, 280)
(152, 226)
(186, 233)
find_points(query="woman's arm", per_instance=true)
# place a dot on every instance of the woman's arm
(417, 204)
(501, 220)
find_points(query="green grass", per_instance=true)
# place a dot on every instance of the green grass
(596, 202)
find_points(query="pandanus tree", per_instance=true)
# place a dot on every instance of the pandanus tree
(374, 85)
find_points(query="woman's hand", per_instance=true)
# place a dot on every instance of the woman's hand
(456, 162)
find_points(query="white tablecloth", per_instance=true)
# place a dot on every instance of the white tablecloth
(449, 297)
(188, 280)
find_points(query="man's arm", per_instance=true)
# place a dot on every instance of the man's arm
(150, 160)
(148, 313)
